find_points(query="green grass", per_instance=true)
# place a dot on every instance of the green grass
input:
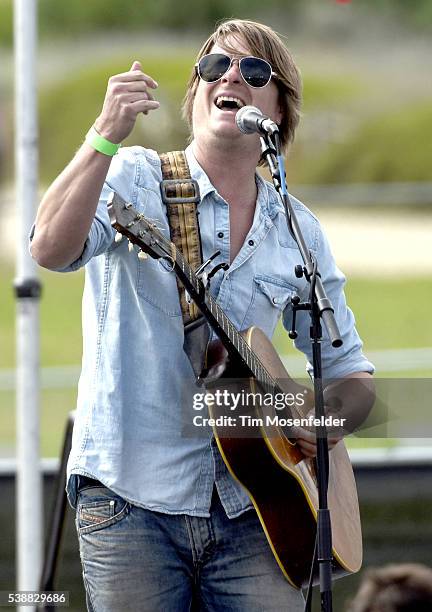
(392, 313)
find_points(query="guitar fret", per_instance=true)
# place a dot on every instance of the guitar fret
(241, 345)
(230, 331)
(244, 350)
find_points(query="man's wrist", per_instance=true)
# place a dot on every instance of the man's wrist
(351, 398)
(100, 143)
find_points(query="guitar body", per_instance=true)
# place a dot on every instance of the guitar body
(281, 483)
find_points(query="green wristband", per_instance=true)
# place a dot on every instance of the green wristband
(100, 143)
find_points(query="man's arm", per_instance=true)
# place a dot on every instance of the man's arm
(68, 208)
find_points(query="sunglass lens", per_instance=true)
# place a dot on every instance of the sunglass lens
(256, 72)
(212, 67)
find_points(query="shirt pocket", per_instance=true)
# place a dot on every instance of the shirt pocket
(157, 285)
(270, 295)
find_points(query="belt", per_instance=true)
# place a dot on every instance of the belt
(85, 482)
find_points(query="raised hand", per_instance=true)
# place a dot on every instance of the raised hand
(127, 95)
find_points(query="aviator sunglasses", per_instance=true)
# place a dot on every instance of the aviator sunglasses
(255, 71)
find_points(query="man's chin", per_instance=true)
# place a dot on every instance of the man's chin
(225, 131)
(226, 127)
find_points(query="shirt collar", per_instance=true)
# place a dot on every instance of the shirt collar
(267, 198)
(198, 173)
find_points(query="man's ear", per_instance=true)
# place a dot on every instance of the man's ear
(278, 116)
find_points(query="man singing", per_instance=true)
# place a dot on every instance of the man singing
(161, 522)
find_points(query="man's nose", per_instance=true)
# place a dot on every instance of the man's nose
(233, 74)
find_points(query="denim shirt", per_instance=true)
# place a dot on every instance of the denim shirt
(135, 375)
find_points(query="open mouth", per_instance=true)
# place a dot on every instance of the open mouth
(228, 103)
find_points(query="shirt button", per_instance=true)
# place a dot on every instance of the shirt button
(220, 235)
(251, 242)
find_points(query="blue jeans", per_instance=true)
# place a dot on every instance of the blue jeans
(139, 560)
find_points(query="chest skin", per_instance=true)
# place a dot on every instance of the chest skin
(240, 223)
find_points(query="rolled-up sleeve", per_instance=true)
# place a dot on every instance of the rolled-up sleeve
(120, 178)
(349, 358)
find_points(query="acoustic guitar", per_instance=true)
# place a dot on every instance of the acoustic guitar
(280, 481)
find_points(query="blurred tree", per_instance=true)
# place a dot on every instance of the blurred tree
(68, 19)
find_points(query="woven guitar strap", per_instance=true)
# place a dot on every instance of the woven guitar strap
(180, 193)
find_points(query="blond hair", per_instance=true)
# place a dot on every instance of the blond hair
(261, 41)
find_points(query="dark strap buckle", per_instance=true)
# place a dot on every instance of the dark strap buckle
(167, 199)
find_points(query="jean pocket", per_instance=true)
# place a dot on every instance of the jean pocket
(98, 508)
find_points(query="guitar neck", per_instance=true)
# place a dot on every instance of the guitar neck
(232, 340)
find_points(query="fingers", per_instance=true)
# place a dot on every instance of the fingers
(143, 106)
(129, 77)
(306, 440)
(128, 86)
(134, 74)
(127, 95)
(308, 449)
(135, 96)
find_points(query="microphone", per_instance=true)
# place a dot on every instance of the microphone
(250, 120)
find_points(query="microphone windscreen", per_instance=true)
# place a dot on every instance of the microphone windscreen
(246, 119)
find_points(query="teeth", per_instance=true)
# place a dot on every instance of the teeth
(221, 99)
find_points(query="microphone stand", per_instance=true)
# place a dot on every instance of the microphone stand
(319, 307)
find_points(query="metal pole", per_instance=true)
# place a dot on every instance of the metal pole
(27, 290)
